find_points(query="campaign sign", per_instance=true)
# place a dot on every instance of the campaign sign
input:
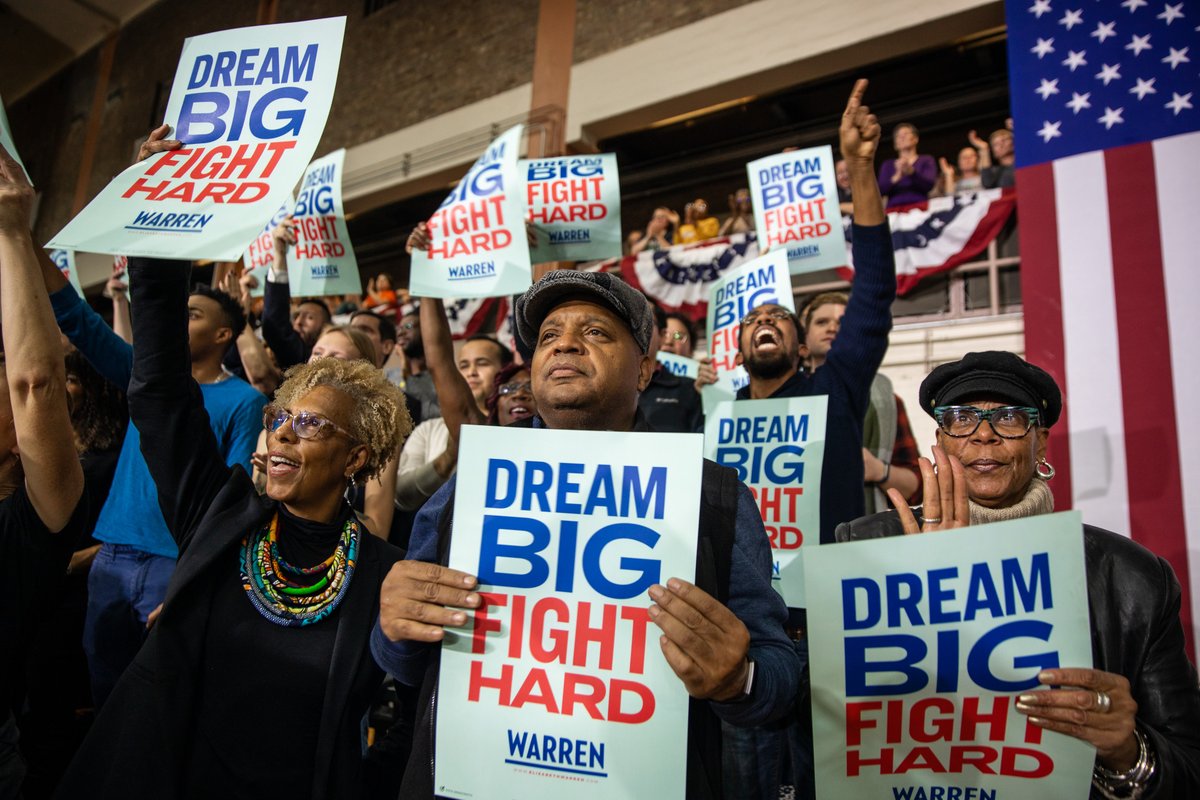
(796, 208)
(65, 261)
(777, 448)
(249, 106)
(7, 140)
(260, 253)
(477, 237)
(731, 297)
(682, 366)
(558, 681)
(921, 648)
(574, 206)
(323, 257)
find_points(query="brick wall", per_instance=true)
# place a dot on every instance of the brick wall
(405, 63)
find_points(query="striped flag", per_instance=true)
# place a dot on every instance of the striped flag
(1104, 98)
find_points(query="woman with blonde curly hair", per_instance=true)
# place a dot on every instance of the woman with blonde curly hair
(256, 675)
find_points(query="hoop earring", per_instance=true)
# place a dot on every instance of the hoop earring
(1048, 473)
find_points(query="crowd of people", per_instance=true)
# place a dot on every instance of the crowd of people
(904, 180)
(225, 521)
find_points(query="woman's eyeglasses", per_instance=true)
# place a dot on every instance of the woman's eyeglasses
(1009, 422)
(306, 424)
(513, 388)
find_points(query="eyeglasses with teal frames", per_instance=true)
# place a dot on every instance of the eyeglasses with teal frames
(1009, 422)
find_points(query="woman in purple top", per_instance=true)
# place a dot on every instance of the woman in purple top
(908, 178)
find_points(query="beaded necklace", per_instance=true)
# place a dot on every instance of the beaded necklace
(291, 596)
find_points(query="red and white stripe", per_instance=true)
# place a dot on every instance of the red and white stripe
(1110, 247)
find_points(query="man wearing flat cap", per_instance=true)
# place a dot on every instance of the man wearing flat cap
(723, 636)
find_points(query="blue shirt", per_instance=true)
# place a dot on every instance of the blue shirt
(751, 598)
(131, 515)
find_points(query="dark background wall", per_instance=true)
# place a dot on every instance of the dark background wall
(402, 63)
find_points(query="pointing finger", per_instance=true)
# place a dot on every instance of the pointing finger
(856, 96)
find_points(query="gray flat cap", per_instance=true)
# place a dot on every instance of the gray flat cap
(600, 287)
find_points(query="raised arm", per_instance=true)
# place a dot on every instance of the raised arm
(107, 352)
(860, 346)
(277, 328)
(454, 394)
(37, 381)
(164, 400)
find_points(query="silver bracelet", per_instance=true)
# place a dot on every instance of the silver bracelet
(1131, 783)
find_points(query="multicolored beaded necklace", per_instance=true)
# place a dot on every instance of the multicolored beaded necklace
(295, 596)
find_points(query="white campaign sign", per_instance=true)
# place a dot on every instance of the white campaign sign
(260, 253)
(574, 207)
(323, 256)
(731, 297)
(923, 644)
(679, 365)
(557, 683)
(778, 449)
(796, 208)
(249, 105)
(477, 237)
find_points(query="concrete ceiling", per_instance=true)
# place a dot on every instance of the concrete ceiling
(40, 37)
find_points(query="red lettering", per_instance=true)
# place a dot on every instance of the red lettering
(1042, 766)
(536, 689)
(996, 721)
(856, 722)
(483, 622)
(618, 689)
(918, 722)
(557, 651)
(638, 617)
(855, 762)
(572, 696)
(478, 683)
(604, 635)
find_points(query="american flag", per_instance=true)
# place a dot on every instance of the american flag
(1106, 105)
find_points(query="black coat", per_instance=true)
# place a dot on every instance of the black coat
(1133, 603)
(139, 744)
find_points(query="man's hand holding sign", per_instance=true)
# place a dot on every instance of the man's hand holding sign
(558, 533)
(702, 640)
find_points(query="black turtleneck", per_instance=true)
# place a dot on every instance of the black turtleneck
(270, 677)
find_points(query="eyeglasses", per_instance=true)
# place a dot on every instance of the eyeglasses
(513, 388)
(408, 326)
(677, 336)
(1009, 422)
(777, 314)
(306, 424)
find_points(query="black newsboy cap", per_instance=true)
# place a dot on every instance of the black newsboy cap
(993, 374)
(600, 287)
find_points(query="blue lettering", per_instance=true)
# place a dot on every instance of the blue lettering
(567, 486)
(939, 595)
(496, 466)
(648, 570)
(1014, 582)
(851, 588)
(858, 668)
(655, 490)
(978, 662)
(291, 120)
(491, 550)
(298, 67)
(907, 602)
